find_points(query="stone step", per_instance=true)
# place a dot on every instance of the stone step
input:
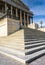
(34, 42)
(29, 36)
(35, 37)
(34, 56)
(33, 50)
(31, 33)
(20, 56)
(11, 50)
(34, 45)
(27, 40)
(13, 53)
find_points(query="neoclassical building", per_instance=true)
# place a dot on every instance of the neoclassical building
(14, 14)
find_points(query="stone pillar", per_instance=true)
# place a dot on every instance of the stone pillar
(6, 7)
(27, 19)
(16, 12)
(2, 10)
(24, 19)
(11, 10)
(20, 17)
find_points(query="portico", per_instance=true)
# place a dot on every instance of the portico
(14, 14)
(17, 13)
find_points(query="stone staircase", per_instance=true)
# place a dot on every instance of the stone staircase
(33, 34)
(34, 44)
(25, 45)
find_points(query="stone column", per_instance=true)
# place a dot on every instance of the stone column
(16, 12)
(2, 10)
(27, 19)
(24, 19)
(11, 11)
(6, 7)
(20, 17)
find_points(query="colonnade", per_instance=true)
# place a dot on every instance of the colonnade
(25, 18)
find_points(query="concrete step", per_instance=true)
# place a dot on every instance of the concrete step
(34, 45)
(34, 56)
(33, 50)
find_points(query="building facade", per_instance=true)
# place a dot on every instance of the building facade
(14, 14)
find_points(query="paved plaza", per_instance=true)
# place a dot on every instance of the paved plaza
(4, 60)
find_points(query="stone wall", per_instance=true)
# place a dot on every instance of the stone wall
(8, 26)
(3, 27)
(13, 25)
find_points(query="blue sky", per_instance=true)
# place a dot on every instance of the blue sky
(38, 8)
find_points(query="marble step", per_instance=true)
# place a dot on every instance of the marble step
(33, 50)
(34, 45)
